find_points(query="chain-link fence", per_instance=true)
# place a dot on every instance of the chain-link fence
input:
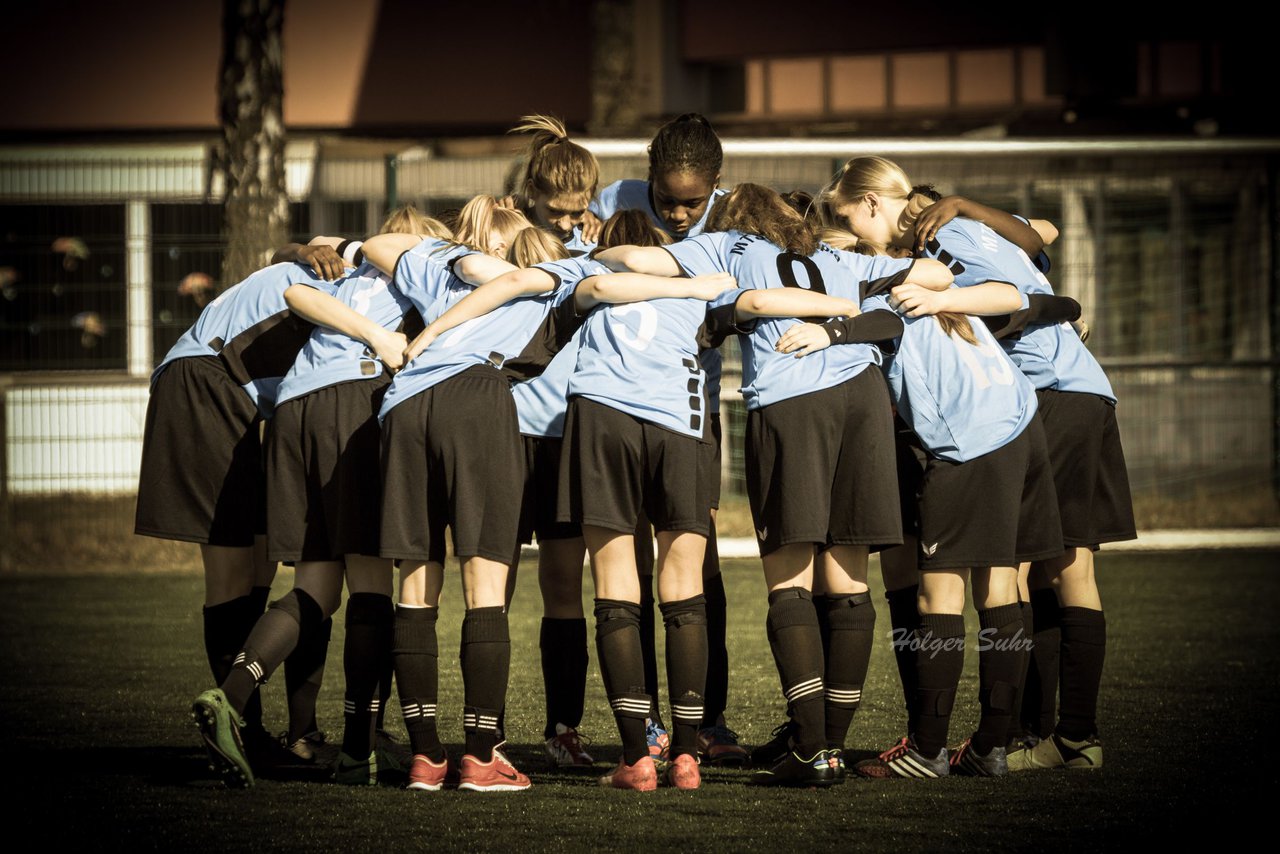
(109, 255)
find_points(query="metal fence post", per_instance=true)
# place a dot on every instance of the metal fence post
(138, 320)
(393, 165)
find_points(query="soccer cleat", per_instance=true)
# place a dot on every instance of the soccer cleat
(1058, 752)
(356, 772)
(683, 773)
(719, 745)
(776, 748)
(220, 728)
(565, 749)
(311, 749)
(819, 770)
(837, 753)
(969, 763)
(392, 755)
(640, 777)
(903, 760)
(496, 775)
(1017, 749)
(428, 776)
(659, 741)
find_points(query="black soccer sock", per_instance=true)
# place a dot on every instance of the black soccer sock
(1084, 646)
(258, 598)
(386, 675)
(417, 660)
(939, 652)
(486, 664)
(1040, 695)
(850, 633)
(622, 667)
(370, 624)
(303, 675)
(1017, 729)
(717, 694)
(904, 615)
(290, 620)
(1000, 658)
(649, 647)
(796, 641)
(685, 622)
(564, 671)
(226, 628)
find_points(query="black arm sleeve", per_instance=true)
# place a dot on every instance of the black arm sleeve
(869, 328)
(1041, 308)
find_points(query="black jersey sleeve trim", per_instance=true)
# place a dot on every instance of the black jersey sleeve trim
(874, 287)
(872, 327)
(1045, 309)
(395, 270)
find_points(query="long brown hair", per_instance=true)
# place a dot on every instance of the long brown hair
(754, 209)
(631, 228)
(556, 167)
(535, 246)
(880, 175)
(480, 217)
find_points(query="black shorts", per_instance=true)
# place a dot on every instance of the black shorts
(614, 466)
(201, 478)
(1089, 471)
(324, 483)
(911, 459)
(820, 468)
(451, 456)
(542, 492)
(711, 466)
(996, 510)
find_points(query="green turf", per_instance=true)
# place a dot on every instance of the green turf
(98, 674)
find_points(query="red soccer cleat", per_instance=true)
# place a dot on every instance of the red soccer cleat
(640, 777)
(683, 773)
(428, 776)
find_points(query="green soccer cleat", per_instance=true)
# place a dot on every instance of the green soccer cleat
(220, 728)
(356, 772)
(1058, 752)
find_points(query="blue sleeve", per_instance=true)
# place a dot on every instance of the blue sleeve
(605, 205)
(701, 255)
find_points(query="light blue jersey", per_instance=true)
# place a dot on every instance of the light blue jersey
(575, 243)
(1051, 355)
(962, 401)
(767, 375)
(641, 358)
(632, 194)
(250, 326)
(424, 274)
(518, 338)
(541, 402)
(330, 357)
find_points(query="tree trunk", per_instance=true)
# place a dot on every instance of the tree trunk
(251, 112)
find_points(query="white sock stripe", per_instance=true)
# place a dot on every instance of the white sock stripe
(239, 659)
(639, 707)
(256, 669)
(804, 689)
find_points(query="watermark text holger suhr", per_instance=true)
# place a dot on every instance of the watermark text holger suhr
(915, 642)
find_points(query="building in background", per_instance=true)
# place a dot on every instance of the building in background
(1152, 151)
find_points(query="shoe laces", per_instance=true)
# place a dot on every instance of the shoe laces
(899, 749)
(722, 733)
(782, 729)
(958, 754)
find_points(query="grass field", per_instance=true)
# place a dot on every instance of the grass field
(98, 674)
